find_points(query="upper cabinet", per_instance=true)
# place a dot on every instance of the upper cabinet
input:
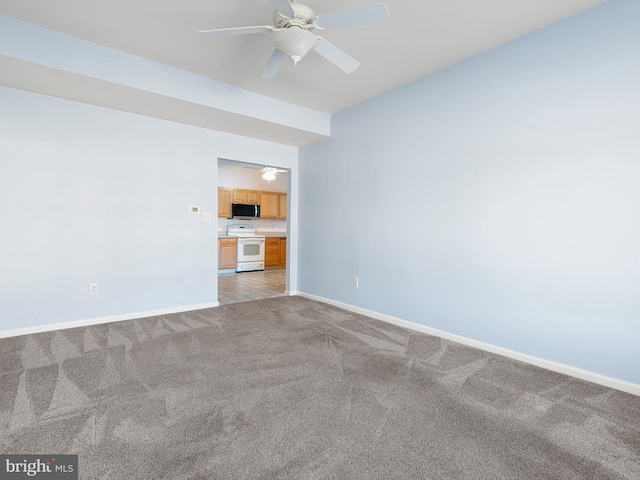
(273, 205)
(224, 202)
(282, 206)
(268, 204)
(240, 195)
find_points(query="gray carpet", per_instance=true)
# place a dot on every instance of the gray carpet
(294, 389)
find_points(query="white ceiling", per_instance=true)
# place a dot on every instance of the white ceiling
(423, 36)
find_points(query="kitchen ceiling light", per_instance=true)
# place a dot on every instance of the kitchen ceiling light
(269, 175)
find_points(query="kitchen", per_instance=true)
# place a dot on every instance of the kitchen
(252, 231)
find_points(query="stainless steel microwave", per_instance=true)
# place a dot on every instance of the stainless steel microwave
(245, 210)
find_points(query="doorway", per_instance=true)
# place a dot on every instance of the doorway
(244, 180)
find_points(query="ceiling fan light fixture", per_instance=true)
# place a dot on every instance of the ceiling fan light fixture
(295, 42)
(269, 175)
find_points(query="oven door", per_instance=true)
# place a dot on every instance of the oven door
(250, 250)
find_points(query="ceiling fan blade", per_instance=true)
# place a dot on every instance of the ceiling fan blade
(284, 7)
(355, 17)
(273, 169)
(336, 56)
(273, 64)
(226, 32)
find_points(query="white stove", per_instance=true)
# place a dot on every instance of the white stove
(250, 249)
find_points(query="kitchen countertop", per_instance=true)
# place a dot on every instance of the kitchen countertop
(273, 234)
(266, 234)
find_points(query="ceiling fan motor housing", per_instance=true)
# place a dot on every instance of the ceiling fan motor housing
(303, 16)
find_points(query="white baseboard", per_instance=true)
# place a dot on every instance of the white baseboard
(611, 382)
(96, 321)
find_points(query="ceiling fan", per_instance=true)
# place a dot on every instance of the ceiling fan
(293, 24)
(269, 173)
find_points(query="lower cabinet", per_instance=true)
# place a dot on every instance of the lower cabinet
(226, 253)
(275, 251)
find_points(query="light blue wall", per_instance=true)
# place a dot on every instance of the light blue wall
(92, 195)
(498, 199)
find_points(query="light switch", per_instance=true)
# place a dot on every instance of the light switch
(207, 216)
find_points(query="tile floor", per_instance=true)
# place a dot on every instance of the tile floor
(245, 286)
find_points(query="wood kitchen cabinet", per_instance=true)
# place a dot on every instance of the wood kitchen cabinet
(275, 253)
(224, 202)
(273, 205)
(241, 195)
(282, 206)
(269, 205)
(227, 253)
(272, 252)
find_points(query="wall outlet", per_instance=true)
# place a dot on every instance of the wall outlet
(356, 282)
(93, 289)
